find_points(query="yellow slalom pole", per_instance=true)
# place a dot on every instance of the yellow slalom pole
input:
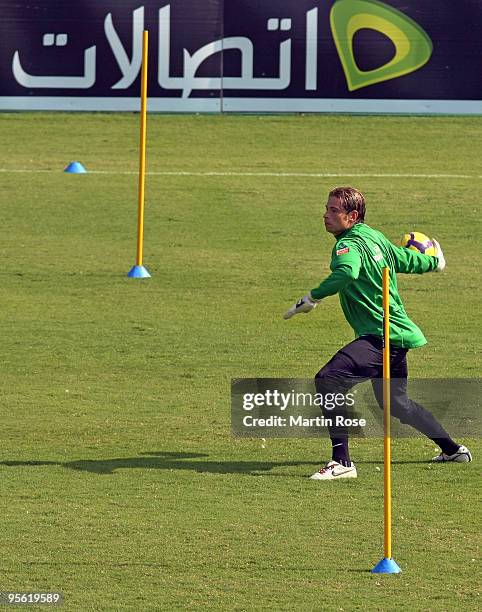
(138, 271)
(142, 156)
(387, 451)
(387, 565)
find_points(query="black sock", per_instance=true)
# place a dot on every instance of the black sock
(340, 452)
(447, 445)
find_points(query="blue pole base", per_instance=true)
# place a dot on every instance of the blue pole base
(75, 168)
(386, 566)
(138, 272)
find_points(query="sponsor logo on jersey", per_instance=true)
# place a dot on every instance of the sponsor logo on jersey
(342, 249)
(378, 254)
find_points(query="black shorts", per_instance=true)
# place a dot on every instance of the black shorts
(362, 359)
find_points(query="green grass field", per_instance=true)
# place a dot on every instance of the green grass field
(122, 486)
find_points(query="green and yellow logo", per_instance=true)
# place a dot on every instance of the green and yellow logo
(413, 46)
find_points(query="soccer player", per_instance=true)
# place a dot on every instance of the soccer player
(359, 255)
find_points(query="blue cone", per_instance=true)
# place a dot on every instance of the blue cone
(75, 168)
(386, 566)
(138, 272)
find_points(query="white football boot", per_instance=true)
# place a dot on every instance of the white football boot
(463, 455)
(334, 470)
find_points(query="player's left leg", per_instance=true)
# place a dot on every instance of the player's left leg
(415, 415)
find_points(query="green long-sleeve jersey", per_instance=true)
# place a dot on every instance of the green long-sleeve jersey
(359, 255)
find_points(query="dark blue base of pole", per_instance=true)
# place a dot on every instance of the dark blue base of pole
(138, 272)
(386, 566)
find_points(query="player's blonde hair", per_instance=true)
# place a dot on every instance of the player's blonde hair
(351, 199)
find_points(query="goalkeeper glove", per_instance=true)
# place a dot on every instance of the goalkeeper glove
(305, 304)
(440, 255)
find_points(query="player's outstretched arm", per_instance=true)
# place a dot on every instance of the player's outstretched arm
(346, 267)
